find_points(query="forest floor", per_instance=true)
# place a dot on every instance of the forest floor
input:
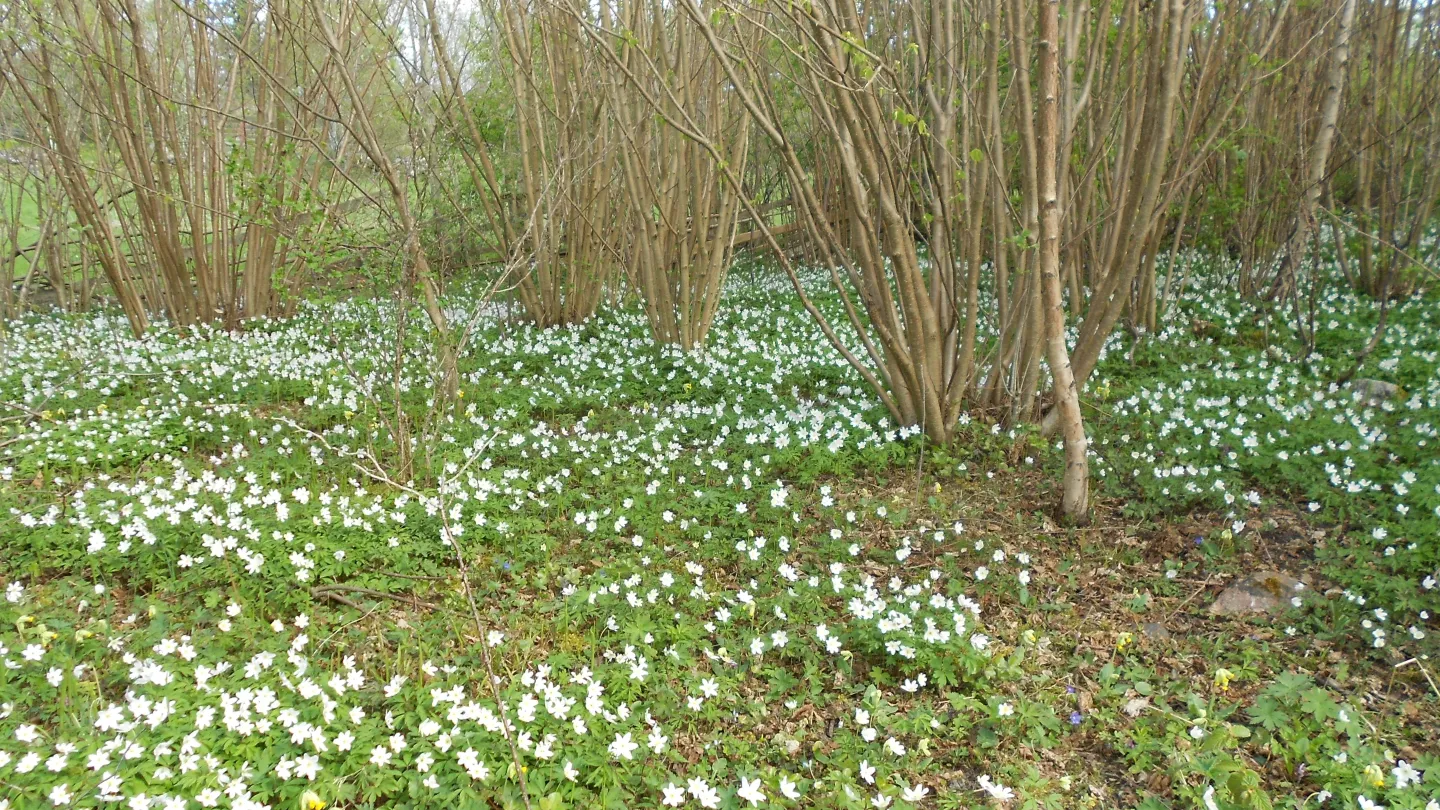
(713, 580)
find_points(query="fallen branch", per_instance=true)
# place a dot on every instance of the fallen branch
(335, 597)
(330, 591)
(416, 577)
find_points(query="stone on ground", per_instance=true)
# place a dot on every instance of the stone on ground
(1260, 593)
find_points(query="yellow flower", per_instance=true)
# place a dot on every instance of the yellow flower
(1223, 677)
(1123, 642)
(310, 800)
(1376, 776)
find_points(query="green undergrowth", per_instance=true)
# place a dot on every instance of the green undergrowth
(721, 579)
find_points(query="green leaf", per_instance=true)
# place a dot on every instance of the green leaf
(1290, 684)
(1268, 713)
(1317, 703)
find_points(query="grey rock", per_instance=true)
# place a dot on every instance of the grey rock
(1137, 705)
(1375, 392)
(1155, 631)
(1260, 593)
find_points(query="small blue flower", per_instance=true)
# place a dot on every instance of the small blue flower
(505, 565)
(1076, 718)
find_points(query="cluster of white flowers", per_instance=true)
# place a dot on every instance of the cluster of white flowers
(230, 706)
(1206, 430)
(674, 559)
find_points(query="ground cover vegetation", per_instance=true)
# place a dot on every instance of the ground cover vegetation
(723, 405)
(706, 580)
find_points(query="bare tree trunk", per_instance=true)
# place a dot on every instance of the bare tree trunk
(1075, 500)
(567, 155)
(1286, 280)
(683, 210)
(45, 115)
(362, 129)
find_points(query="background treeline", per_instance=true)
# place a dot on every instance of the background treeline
(992, 187)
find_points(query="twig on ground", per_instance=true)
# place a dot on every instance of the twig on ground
(416, 577)
(1423, 671)
(335, 597)
(373, 471)
(365, 615)
(330, 589)
(1198, 591)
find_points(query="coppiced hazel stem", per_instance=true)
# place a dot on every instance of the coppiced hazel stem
(973, 180)
(1074, 505)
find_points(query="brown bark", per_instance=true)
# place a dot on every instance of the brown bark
(1319, 155)
(1075, 498)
